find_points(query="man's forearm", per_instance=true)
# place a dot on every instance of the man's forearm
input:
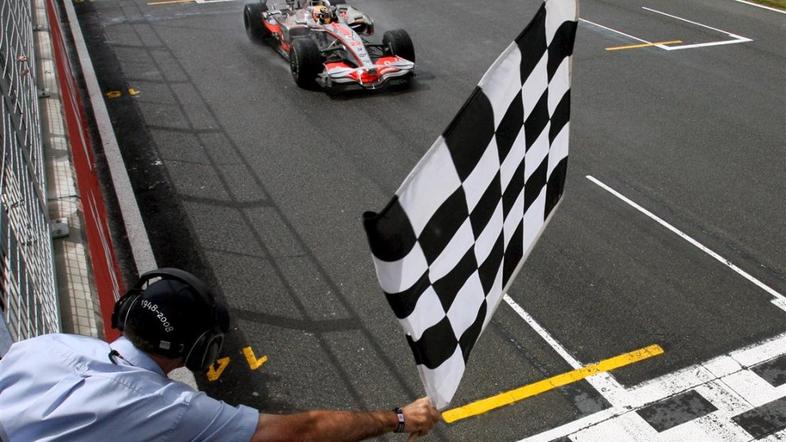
(352, 425)
(419, 417)
(324, 425)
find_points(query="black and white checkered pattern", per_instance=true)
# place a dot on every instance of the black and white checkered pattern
(453, 237)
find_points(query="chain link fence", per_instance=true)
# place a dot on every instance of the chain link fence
(28, 298)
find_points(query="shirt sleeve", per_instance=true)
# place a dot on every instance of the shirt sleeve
(208, 419)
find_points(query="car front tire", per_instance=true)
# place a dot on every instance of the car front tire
(305, 62)
(398, 43)
(252, 20)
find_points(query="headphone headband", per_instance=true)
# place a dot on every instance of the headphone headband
(181, 275)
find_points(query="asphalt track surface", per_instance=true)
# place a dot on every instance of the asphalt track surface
(259, 186)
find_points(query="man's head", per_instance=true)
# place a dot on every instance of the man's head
(322, 14)
(176, 317)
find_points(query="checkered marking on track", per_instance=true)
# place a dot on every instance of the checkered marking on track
(740, 396)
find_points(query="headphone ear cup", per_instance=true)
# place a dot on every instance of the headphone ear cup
(120, 312)
(121, 308)
(212, 350)
(205, 351)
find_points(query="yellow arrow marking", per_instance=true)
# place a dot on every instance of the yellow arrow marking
(644, 45)
(253, 362)
(114, 94)
(214, 373)
(132, 91)
(527, 391)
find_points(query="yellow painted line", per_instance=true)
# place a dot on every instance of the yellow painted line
(114, 94)
(644, 45)
(169, 2)
(214, 373)
(251, 358)
(527, 391)
(132, 91)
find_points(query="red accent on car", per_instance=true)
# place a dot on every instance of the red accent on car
(370, 76)
(338, 29)
(275, 29)
(386, 60)
(336, 65)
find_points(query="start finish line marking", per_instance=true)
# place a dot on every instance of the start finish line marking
(527, 391)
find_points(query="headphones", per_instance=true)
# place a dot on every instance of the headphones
(199, 352)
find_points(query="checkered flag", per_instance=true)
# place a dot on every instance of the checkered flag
(458, 229)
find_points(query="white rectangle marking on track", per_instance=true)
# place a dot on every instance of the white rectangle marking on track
(734, 37)
(781, 300)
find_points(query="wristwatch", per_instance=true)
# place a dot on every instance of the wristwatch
(400, 416)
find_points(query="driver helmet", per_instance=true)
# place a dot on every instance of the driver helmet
(322, 14)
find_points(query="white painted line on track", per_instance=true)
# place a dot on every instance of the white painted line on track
(615, 31)
(542, 332)
(734, 37)
(769, 8)
(779, 301)
(706, 45)
(622, 33)
(604, 383)
(575, 426)
(691, 22)
(132, 219)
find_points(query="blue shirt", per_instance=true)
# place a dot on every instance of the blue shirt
(66, 388)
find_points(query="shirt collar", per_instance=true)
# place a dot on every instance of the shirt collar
(135, 356)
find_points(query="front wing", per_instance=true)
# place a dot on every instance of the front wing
(385, 69)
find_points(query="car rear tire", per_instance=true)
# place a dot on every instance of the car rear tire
(398, 43)
(305, 62)
(252, 19)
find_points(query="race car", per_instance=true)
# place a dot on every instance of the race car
(325, 45)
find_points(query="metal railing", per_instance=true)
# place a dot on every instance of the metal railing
(28, 298)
